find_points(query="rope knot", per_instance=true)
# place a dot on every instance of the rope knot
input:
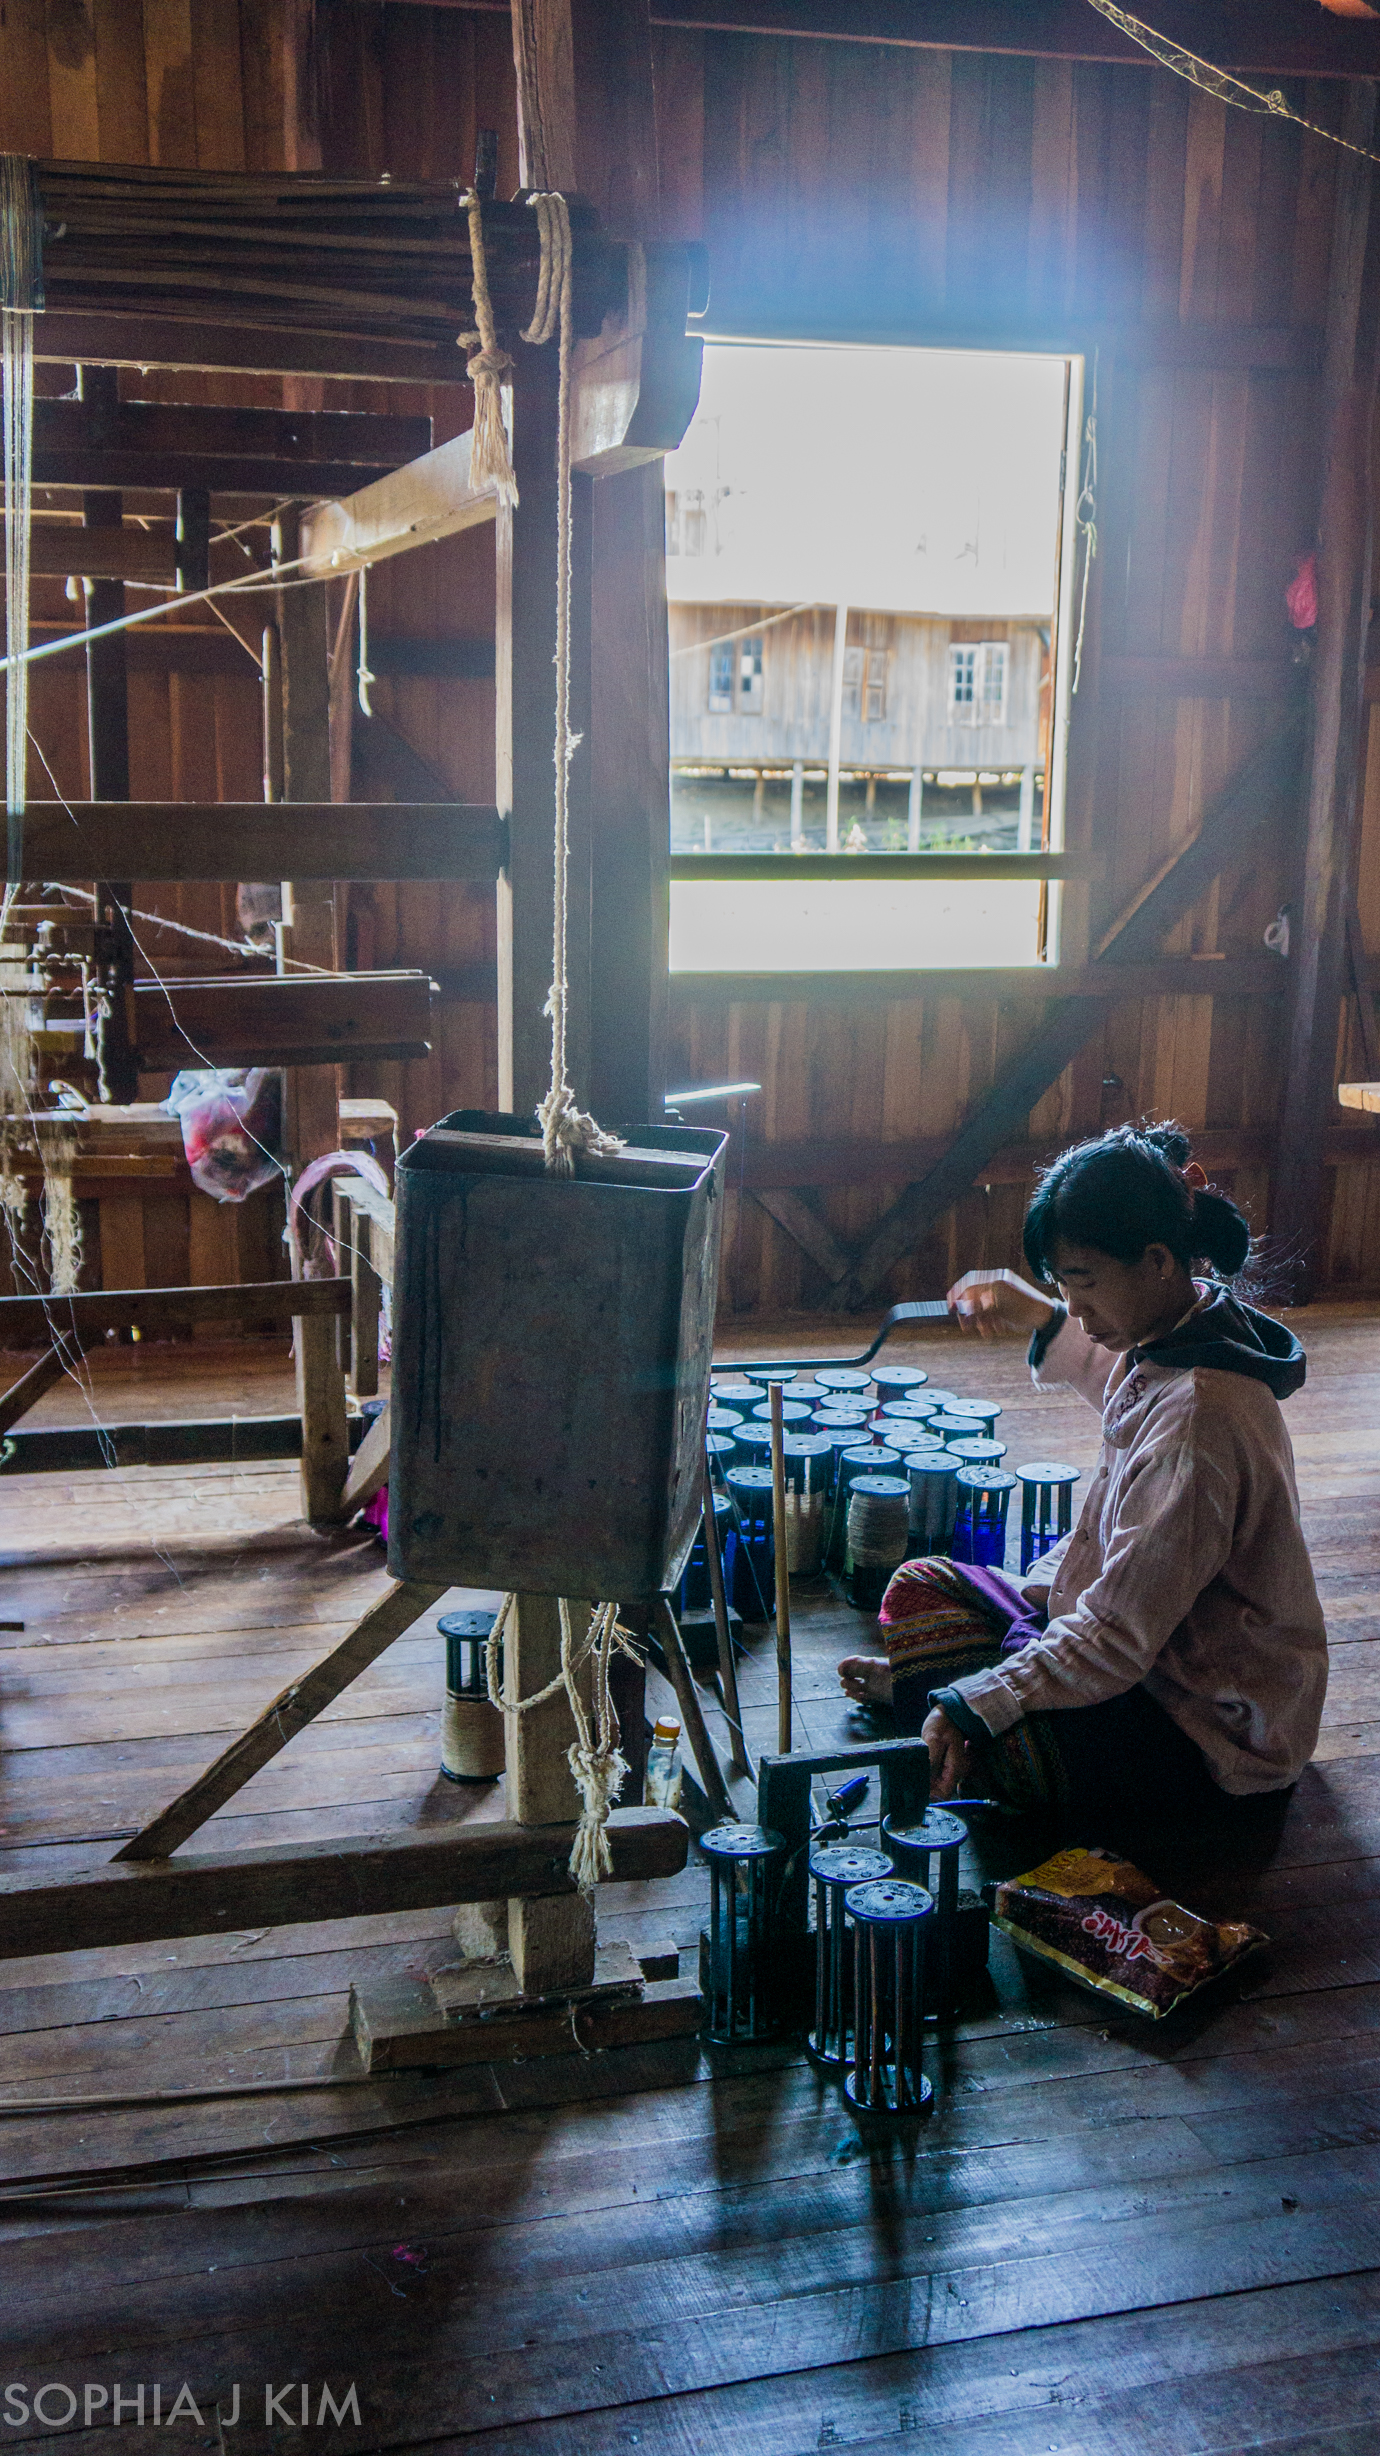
(599, 1770)
(567, 1129)
(486, 365)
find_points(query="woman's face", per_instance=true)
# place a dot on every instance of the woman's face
(1122, 1304)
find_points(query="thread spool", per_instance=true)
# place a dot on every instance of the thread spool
(736, 1956)
(808, 1460)
(878, 1531)
(898, 1413)
(933, 1503)
(751, 1443)
(977, 1453)
(812, 1392)
(891, 1920)
(841, 1438)
(793, 1411)
(951, 1425)
(1046, 1507)
(918, 1443)
(696, 1593)
(939, 1835)
(843, 1378)
(749, 1550)
(897, 1381)
(472, 1740)
(984, 1494)
(734, 1390)
(840, 1414)
(720, 1449)
(860, 1458)
(835, 1867)
(763, 1375)
(943, 1400)
(986, 1411)
(723, 1419)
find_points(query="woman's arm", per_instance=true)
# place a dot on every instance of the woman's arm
(1173, 1534)
(1062, 1356)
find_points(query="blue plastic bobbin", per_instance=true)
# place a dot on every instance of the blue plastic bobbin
(891, 1921)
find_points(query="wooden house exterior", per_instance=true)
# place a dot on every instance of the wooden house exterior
(919, 692)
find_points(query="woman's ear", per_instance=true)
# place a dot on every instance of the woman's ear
(1159, 1259)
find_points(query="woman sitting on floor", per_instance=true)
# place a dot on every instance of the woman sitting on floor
(1169, 1657)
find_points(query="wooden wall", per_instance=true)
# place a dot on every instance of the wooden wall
(870, 191)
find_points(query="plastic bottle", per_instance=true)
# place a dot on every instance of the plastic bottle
(661, 1788)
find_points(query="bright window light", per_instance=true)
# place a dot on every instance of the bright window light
(854, 925)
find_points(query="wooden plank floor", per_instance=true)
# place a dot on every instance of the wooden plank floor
(1110, 2238)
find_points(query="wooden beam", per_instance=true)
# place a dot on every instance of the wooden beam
(1275, 40)
(262, 1019)
(1166, 976)
(1325, 894)
(432, 497)
(369, 1466)
(61, 549)
(209, 345)
(1229, 826)
(88, 1316)
(30, 1387)
(1358, 965)
(1141, 678)
(160, 436)
(168, 841)
(290, 1712)
(813, 1235)
(358, 1876)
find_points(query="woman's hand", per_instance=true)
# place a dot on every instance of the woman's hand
(948, 1755)
(991, 1302)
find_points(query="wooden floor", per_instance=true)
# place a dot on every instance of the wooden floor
(1110, 2237)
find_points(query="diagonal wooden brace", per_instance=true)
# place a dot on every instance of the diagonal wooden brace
(280, 1722)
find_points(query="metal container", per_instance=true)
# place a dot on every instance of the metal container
(583, 1303)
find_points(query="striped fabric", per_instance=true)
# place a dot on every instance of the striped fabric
(937, 1627)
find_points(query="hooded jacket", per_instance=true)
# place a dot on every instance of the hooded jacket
(1187, 1570)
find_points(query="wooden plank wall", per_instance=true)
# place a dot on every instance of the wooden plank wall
(877, 191)
(894, 193)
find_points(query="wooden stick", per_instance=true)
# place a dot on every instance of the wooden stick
(25, 1393)
(289, 1713)
(783, 1575)
(356, 1876)
(728, 1669)
(369, 1466)
(701, 1746)
(92, 1312)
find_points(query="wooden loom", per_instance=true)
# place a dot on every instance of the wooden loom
(119, 292)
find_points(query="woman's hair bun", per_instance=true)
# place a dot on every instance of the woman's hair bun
(1170, 1140)
(1220, 1234)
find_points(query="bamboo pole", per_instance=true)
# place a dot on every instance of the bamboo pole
(701, 1746)
(783, 1575)
(728, 1669)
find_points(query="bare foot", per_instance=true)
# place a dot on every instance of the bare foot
(867, 1678)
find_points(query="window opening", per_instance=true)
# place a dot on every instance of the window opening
(869, 664)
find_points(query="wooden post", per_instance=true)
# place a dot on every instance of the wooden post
(782, 1576)
(1326, 890)
(630, 789)
(728, 1669)
(107, 727)
(311, 1105)
(551, 1941)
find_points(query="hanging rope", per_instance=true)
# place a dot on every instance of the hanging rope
(363, 676)
(1219, 82)
(21, 294)
(486, 366)
(594, 1756)
(1085, 523)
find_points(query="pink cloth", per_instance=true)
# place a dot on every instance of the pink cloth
(1187, 1570)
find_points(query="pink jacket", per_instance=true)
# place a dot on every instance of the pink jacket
(1187, 1572)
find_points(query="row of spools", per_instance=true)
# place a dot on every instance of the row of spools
(880, 1468)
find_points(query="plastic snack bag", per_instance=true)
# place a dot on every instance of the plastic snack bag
(1108, 1926)
(230, 1118)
